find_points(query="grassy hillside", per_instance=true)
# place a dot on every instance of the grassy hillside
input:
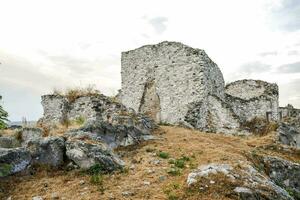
(156, 169)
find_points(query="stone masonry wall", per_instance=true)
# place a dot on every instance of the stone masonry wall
(253, 98)
(178, 74)
(57, 108)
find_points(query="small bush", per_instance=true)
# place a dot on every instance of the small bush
(174, 171)
(96, 179)
(163, 155)
(180, 163)
(95, 169)
(80, 120)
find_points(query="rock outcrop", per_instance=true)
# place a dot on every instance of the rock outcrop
(248, 182)
(289, 134)
(114, 136)
(86, 155)
(13, 160)
(48, 151)
(284, 173)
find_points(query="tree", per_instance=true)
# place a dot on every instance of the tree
(3, 117)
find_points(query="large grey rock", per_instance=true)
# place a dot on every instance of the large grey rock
(9, 142)
(47, 151)
(284, 173)
(254, 185)
(289, 134)
(13, 160)
(86, 155)
(114, 135)
(30, 134)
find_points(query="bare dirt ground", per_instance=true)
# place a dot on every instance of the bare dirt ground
(146, 175)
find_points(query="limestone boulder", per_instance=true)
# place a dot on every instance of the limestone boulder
(86, 154)
(13, 160)
(289, 134)
(247, 182)
(114, 135)
(9, 142)
(284, 173)
(30, 134)
(47, 151)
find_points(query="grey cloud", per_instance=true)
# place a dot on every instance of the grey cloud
(255, 67)
(287, 17)
(159, 24)
(289, 68)
(269, 53)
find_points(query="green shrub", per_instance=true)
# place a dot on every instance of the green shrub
(180, 163)
(95, 169)
(174, 171)
(163, 155)
(80, 120)
(96, 179)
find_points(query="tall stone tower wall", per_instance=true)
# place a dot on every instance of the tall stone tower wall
(162, 80)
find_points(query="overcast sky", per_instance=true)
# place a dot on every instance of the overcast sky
(47, 44)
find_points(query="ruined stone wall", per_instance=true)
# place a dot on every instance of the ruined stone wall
(58, 108)
(168, 77)
(253, 98)
(289, 111)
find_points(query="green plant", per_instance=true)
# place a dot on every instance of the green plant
(96, 179)
(3, 117)
(95, 169)
(180, 163)
(170, 191)
(174, 171)
(163, 155)
(80, 120)
(5, 169)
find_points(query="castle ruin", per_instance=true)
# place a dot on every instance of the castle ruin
(174, 83)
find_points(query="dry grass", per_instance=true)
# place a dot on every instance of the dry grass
(200, 148)
(73, 93)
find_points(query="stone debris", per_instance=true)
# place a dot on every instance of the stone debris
(254, 184)
(86, 155)
(205, 170)
(289, 134)
(113, 135)
(284, 173)
(47, 151)
(37, 198)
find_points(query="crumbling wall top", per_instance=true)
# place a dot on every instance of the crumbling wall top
(248, 89)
